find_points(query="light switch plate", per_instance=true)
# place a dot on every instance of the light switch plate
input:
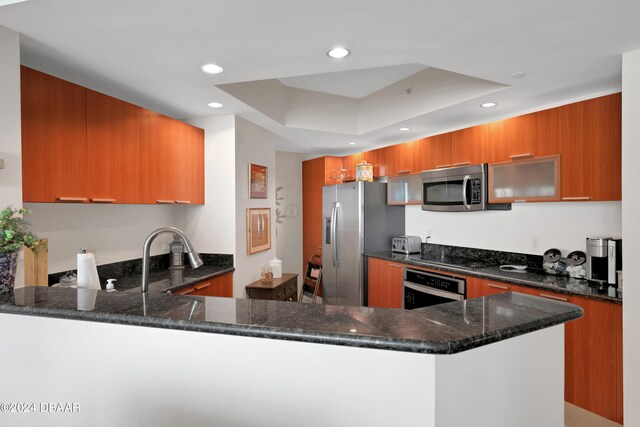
(1, 163)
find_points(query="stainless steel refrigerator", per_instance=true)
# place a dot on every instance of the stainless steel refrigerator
(355, 220)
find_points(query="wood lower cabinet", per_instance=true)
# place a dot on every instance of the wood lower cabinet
(593, 348)
(591, 151)
(79, 145)
(284, 288)
(219, 286)
(54, 139)
(384, 283)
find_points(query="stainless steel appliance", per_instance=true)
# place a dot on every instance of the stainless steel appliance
(604, 259)
(460, 189)
(406, 244)
(356, 219)
(423, 289)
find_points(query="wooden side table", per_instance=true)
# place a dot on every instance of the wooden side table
(284, 288)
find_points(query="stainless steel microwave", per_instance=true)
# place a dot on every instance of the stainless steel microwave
(461, 189)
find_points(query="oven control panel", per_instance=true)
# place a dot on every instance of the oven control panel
(435, 281)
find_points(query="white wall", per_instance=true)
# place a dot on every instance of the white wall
(564, 226)
(211, 227)
(112, 232)
(631, 234)
(253, 145)
(10, 135)
(289, 233)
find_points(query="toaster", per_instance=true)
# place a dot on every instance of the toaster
(406, 244)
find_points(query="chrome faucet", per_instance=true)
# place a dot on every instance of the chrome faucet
(194, 257)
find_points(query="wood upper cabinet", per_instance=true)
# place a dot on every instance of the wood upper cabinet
(469, 146)
(378, 158)
(436, 152)
(404, 159)
(349, 164)
(384, 283)
(512, 139)
(82, 146)
(172, 168)
(591, 162)
(54, 138)
(113, 150)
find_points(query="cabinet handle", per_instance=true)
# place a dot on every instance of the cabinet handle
(554, 297)
(461, 164)
(520, 201)
(504, 288)
(443, 166)
(404, 171)
(72, 199)
(202, 286)
(395, 265)
(165, 202)
(103, 200)
(183, 202)
(577, 198)
(521, 156)
(188, 291)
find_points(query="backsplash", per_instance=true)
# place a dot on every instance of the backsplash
(132, 267)
(485, 256)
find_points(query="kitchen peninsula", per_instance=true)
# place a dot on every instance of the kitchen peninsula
(163, 359)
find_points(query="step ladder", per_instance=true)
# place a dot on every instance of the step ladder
(312, 280)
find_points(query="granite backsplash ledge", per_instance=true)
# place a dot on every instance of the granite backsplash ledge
(133, 267)
(486, 257)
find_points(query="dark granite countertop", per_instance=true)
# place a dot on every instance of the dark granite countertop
(166, 280)
(441, 329)
(128, 274)
(530, 277)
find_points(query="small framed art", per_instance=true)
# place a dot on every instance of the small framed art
(257, 181)
(258, 230)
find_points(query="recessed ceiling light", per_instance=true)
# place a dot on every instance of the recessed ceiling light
(339, 52)
(404, 129)
(518, 74)
(488, 104)
(215, 105)
(212, 69)
(351, 143)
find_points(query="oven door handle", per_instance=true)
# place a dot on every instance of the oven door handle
(465, 181)
(431, 291)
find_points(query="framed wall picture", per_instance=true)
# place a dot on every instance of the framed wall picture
(257, 181)
(258, 230)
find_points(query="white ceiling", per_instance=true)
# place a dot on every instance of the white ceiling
(354, 83)
(149, 52)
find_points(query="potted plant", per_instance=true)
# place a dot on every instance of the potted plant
(14, 234)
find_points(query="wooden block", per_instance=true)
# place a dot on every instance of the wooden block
(36, 264)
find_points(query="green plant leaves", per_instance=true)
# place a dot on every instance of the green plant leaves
(14, 230)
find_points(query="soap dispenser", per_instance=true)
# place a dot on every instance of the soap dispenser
(110, 287)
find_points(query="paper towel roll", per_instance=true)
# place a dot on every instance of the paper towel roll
(87, 272)
(86, 299)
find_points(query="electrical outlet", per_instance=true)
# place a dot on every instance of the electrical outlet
(535, 244)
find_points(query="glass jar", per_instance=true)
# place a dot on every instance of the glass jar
(266, 275)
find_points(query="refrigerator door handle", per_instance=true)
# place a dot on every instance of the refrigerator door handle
(332, 234)
(336, 248)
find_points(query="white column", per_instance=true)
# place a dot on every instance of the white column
(631, 234)
(10, 136)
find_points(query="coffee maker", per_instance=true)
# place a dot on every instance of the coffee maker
(604, 258)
